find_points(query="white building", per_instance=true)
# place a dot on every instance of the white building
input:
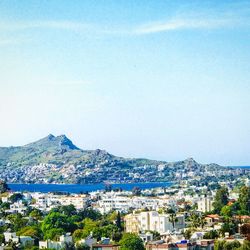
(153, 221)
(64, 239)
(205, 204)
(112, 201)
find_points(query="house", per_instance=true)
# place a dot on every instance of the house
(105, 247)
(146, 237)
(64, 239)
(26, 241)
(23, 240)
(182, 245)
(10, 236)
(90, 241)
(153, 221)
(205, 204)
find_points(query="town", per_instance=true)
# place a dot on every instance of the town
(181, 216)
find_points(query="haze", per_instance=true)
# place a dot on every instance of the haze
(164, 80)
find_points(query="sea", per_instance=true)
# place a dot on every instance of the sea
(79, 188)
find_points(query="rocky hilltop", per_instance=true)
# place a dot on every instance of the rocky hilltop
(55, 159)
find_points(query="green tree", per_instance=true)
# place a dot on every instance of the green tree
(82, 247)
(221, 199)
(36, 214)
(245, 245)
(88, 226)
(244, 199)
(32, 231)
(53, 233)
(90, 213)
(231, 245)
(195, 220)
(172, 217)
(219, 244)
(68, 210)
(78, 234)
(3, 187)
(5, 205)
(57, 220)
(213, 234)
(16, 197)
(187, 234)
(1, 239)
(17, 221)
(119, 221)
(226, 211)
(131, 241)
(228, 227)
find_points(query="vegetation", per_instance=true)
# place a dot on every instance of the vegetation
(131, 241)
(221, 199)
(3, 187)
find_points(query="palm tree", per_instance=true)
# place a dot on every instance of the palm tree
(172, 218)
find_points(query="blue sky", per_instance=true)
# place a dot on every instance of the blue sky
(157, 79)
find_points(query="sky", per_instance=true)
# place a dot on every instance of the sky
(164, 80)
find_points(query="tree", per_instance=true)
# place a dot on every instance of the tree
(221, 199)
(1, 239)
(78, 234)
(172, 218)
(219, 244)
(245, 230)
(36, 214)
(90, 213)
(57, 220)
(136, 191)
(53, 233)
(244, 199)
(245, 245)
(32, 231)
(226, 211)
(187, 234)
(131, 241)
(228, 227)
(195, 220)
(3, 187)
(16, 197)
(68, 210)
(213, 234)
(82, 246)
(231, 245)
(119, 221)
(17, 221)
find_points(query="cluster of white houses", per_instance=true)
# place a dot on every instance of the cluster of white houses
(153, 221)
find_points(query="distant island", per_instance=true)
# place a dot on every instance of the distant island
(55, 159)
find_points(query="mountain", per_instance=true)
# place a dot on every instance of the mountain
(55, 159)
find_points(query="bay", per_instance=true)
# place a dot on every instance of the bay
(78, 188)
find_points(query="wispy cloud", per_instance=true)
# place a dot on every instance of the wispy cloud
(201, 16)
(181, 24)
(226, 16)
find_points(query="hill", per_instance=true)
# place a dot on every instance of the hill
(55, 159)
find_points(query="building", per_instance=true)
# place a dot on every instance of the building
(153, 221)
(205, 204)
(63, 241)
(105, 247)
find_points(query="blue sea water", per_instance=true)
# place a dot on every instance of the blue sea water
(244, 167)
(77, 188)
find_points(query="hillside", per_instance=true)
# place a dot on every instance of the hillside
(55, 159)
